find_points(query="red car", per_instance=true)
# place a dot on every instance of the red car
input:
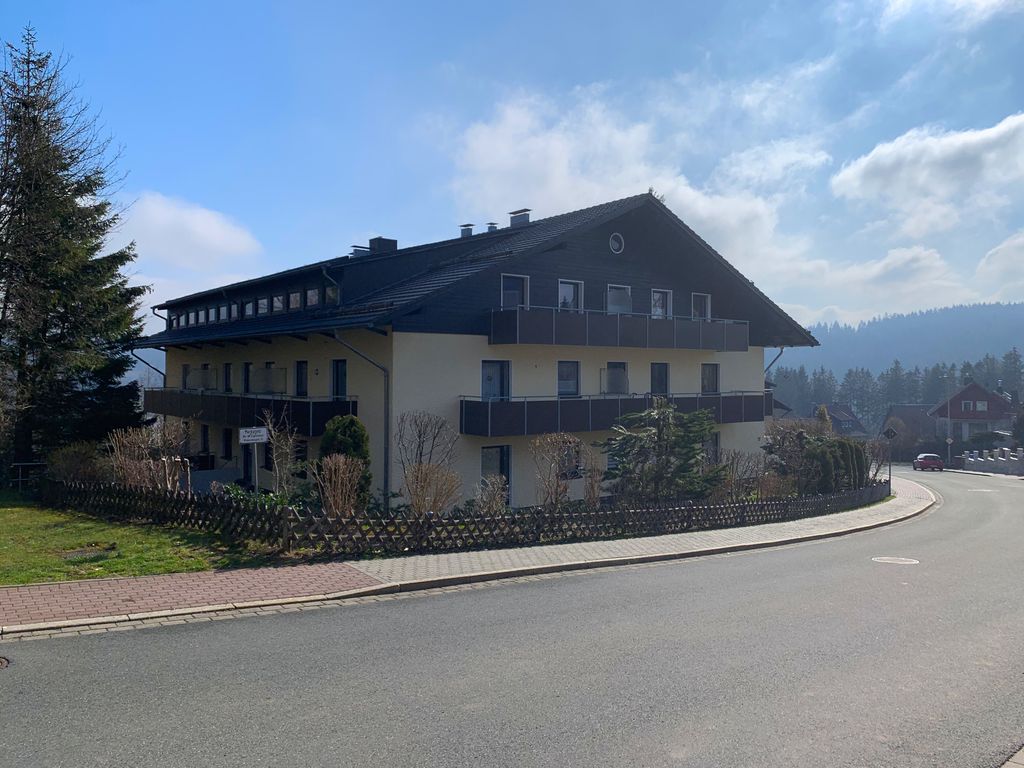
(928, 461)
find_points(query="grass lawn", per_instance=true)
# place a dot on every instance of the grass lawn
(39, 544)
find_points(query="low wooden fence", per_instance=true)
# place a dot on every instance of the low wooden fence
(402, 532)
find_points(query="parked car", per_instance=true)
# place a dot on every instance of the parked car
(928, 461)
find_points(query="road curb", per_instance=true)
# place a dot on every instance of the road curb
(386, 588)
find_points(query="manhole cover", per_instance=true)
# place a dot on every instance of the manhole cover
(896, 560)
(4, 662)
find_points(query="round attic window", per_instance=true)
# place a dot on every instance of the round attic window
(616, 243)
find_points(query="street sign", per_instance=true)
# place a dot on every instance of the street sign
(949, 441)
(250, 435)
(890, 433)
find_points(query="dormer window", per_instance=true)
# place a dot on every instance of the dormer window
(263, 306)
(223, 313)
(331, 296)
(202, 316)
(249, 309)
(312, 297)
(234, 310)
(294, 300)
(278, 305)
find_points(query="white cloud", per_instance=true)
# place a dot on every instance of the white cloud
(531, 153)
(773, 165)
(1002, 269)
(183, 248)
(963, 13)
(930, 179)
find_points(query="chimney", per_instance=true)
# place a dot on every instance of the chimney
(383, 245)
(492, 226)
(466, 230)
(520, 217)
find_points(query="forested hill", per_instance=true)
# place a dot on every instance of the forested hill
(965, 332)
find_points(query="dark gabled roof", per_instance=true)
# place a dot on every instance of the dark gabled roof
(377, 307)
(915, 416)
(449, 263)
(1004, 406)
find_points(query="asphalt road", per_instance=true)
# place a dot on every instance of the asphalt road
(808, 655)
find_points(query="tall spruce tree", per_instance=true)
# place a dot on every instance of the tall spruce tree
(67, 312)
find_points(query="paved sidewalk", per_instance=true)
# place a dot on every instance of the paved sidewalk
(80, 603)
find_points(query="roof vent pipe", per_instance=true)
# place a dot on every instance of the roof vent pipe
(492, 226)
(520, 217)
(466, 230)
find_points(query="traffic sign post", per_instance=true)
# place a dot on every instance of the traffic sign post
(254, 436)
(889, 434)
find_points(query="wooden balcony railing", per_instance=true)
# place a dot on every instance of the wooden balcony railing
(306, 415)
(591, 328)
(539, 415)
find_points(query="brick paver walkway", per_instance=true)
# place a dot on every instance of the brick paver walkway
(123, 598)
(909, 497)
(67, 600)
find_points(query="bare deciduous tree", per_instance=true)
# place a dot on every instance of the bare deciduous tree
(556, 456)
(426, 448)
(337, 479)
(282, 441)
(150, 457)
(431, 488)
(492, 495)
(425, 438)
(593, 477)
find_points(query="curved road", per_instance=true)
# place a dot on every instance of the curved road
(808, 655)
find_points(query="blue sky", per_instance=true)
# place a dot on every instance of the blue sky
(851, 158)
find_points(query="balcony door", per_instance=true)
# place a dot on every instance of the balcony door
(620, 300)
(302, 378)
(514, 291)
(709, 384)
(700, 306)
(494, 380)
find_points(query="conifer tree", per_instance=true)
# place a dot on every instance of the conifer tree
(67, 312)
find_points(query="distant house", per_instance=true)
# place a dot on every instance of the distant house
(972, 410)
(918, 423)
(845, 422)
(779, 409)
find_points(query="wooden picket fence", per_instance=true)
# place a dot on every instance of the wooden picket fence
(399, 531)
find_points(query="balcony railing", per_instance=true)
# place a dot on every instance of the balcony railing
(306, 415)
(539, 415)
(592, 328)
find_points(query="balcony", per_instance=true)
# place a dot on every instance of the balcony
(590, 328)
(307, 415)
(539, 415)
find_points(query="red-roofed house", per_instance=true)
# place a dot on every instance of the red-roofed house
(971, 410)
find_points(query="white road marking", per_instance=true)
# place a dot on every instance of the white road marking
(896, 560)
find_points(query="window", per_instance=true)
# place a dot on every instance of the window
(192, 317)
(223, 317)
(339, 379)
(967, 405)
(331, 295)
(250, 309)
(661, 303)
(494, 379)
(227, 443)
(295, 300)
(262, 306)
(568, 378)
(709, 378)
(570, 294)
(700, 306)
(246, 378)
(569, 463)
(234, 310)
(494, 460)
(620, 299)
(201, 317)
(301, 378)
(616, 379)
(659, 378)
(514, 291)
(227, 377)
(981, 405)
(204, 438)
(172, 321)
(278, 303)
(312, 297)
